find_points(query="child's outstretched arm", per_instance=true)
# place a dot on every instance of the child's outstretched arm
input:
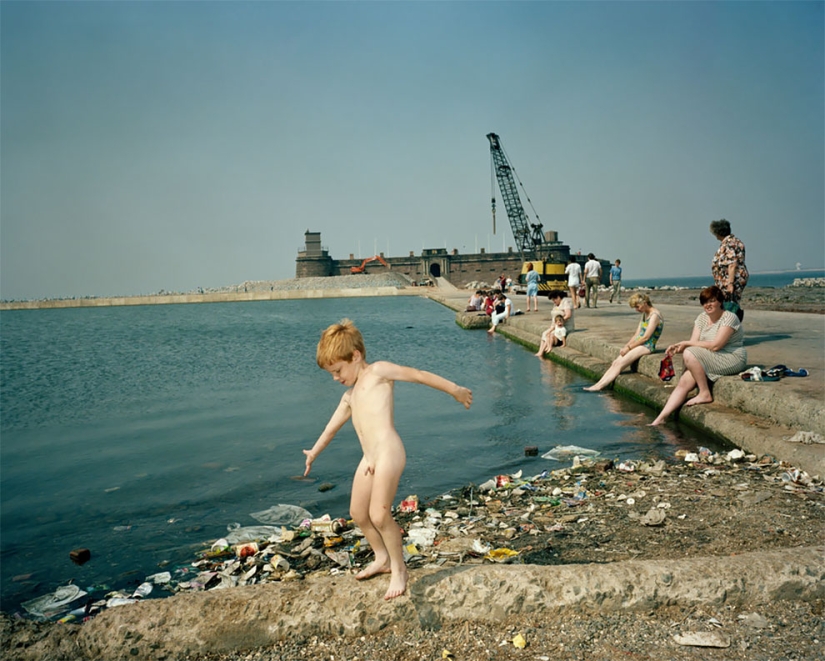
(393, 372)
(341, 415)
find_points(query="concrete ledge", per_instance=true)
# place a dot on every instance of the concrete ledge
(255, 616)
(757, 417)
(172, 299)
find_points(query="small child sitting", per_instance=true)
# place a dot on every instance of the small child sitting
(555, 336)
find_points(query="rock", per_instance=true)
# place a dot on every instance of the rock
(80, 556)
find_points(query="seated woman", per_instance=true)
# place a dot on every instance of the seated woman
(715, 348)
(562, 305)
(503, 310)
(489, 304)
(475, 302)
(642, 343)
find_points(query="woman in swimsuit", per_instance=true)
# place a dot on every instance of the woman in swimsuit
(642, 343)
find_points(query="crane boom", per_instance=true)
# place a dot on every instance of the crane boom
(528, 237)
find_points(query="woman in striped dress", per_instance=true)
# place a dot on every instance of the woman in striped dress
(715, 349)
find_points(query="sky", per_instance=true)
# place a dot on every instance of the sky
(149, 146)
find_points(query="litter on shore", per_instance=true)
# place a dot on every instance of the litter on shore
(603, 510)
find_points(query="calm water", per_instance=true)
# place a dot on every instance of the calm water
(141, 433)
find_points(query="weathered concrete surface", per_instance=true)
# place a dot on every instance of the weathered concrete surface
(757, 417)
(217, 297)
(255, 616)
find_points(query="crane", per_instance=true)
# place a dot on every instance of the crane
(528, 236)
(548, 258)
(360, 269)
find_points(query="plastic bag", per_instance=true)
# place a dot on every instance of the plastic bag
(565, 452)
(282, 515)
(56, 602)
(666, 371)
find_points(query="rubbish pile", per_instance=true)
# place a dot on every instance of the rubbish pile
(595, 510)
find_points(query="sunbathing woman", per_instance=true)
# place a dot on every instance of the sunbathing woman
(642, 343)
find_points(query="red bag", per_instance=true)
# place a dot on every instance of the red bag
(666, 371)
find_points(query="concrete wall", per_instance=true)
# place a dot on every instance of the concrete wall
(458, 269)
(171, 299)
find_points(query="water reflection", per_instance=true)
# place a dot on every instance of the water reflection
(558, 382)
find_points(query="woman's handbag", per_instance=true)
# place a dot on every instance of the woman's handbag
(666, 371)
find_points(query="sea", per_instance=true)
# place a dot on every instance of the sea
(775, 279)
(145, 433)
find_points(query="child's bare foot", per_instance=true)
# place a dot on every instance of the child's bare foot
(492, 330)
(398, 585)
(591, 389)
(699, 399)
(373, 569)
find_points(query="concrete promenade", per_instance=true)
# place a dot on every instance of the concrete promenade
(757, 416)
(214, 297)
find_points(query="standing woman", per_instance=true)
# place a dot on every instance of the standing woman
(715, 348)
(532, 279)
(642, 343)
(728, 266)
(574, 280)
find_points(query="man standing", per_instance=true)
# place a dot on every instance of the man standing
(616, 281)
(592, 278)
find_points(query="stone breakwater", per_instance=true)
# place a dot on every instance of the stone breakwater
(361, 281)
(382, 284)
(808, 282)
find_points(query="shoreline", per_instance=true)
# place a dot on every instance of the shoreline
(801, 298)
(751, 542)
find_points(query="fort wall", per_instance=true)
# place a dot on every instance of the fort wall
(459, 269)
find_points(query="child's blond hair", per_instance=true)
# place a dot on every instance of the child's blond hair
(339, 342)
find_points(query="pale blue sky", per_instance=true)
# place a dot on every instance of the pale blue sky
(160, 145)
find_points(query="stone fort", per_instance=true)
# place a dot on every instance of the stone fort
(315, 261)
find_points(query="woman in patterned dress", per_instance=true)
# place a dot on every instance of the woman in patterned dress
(728, 266)
(642, 343)
(715, 348)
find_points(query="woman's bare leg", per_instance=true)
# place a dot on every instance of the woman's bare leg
(617, 366)
(544, 345)
(574, 295)
(704, 395)
(677, 397)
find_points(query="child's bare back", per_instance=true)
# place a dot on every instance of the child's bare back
(369, 402)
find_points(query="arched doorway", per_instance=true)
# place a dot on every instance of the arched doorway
(435, 270)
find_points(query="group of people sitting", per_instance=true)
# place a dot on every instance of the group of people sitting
(495, 304)
(715, 347)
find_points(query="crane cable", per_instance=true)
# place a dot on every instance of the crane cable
(493, 190)
(527, 197)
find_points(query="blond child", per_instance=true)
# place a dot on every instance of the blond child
(555, 336)
(369, 402)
